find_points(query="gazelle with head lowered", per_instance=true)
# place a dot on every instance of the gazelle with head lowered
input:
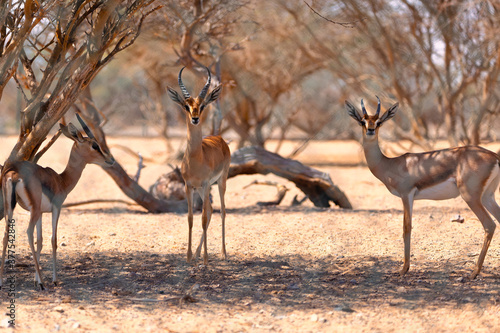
(205, 162)
(42, 190)
(470, 171)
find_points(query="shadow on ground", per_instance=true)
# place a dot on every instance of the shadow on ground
(288, 282)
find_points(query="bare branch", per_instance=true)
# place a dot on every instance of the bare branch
(47, 146)
(119, 47)
(349, 25)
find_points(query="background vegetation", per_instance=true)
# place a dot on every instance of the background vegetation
(286, 71)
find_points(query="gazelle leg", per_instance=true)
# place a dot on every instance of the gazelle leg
(31, 227)
(189, 196)
(202, 238)
(200, 245)
(488, 198)
(39, 239)
(8, 217)
(55, 219)
(205, 220)
(4, 250)
(222, 192)
(408, 208)
(492, 206)
(7, 194)
(489, 229)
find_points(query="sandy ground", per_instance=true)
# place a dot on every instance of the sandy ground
(289, 269)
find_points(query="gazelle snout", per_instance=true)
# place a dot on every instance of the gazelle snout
(370, 131)
(370, 123)
(195, 120)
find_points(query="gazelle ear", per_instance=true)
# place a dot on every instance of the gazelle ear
(175, 96)
(214, 94)
(391, 112)
(351, 110)
(71, 132)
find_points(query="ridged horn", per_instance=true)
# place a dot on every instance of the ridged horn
(363, 108)
(184, 91)
(85, 127)
(204, 91)
(378, 106)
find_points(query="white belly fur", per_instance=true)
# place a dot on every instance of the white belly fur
(442, 191)
(22, 196)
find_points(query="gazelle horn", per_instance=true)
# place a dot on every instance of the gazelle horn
(378, 106)
(363, 108)
(84, 126)
(204, 91)
(184, 91)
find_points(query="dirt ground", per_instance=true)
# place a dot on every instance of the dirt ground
(289, 269)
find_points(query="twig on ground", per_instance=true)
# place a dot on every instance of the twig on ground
(140, 166)
(282, 189)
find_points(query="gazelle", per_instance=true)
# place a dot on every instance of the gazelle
(205, 162)
(42, 190)
(472, 172)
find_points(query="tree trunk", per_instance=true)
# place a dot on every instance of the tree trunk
(317, 185)
(140, 195)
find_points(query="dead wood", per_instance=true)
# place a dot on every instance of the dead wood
(297, 202)
(135, 192)
(93, 201)
(170, 186)
(282, 189)
(140, 166)
(317, 185)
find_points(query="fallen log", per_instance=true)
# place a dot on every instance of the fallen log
(317, 185)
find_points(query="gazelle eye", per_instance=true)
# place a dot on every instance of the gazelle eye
(95, 146)
(202, 107)
(186, 107)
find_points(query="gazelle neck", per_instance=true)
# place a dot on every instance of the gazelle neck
(194, 137)
(73, 170)
(374, 156)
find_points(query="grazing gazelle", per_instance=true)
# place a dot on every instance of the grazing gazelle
(205, 162)
(42, 190)
(472, 172)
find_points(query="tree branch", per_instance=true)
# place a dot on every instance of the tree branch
(349, 25)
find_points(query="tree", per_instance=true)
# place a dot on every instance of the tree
(62, 46)
(439, 59)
